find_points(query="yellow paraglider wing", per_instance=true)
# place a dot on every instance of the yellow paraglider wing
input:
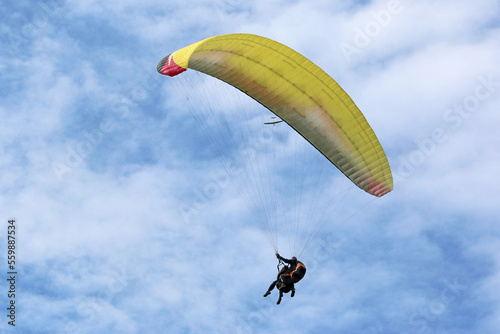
(298, 92)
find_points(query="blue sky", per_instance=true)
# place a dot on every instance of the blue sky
(127, 225)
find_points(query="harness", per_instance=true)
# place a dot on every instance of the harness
(299, 265)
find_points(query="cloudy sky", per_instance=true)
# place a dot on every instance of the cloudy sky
(127, 224)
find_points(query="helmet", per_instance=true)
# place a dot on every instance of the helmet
(294, 258)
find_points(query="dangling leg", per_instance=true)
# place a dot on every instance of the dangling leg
(271, 287)
(279, 299)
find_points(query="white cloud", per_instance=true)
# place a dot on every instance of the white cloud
(108, 247)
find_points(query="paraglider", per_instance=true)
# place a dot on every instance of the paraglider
(273, 122)
(302, 96)
(287, 277)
